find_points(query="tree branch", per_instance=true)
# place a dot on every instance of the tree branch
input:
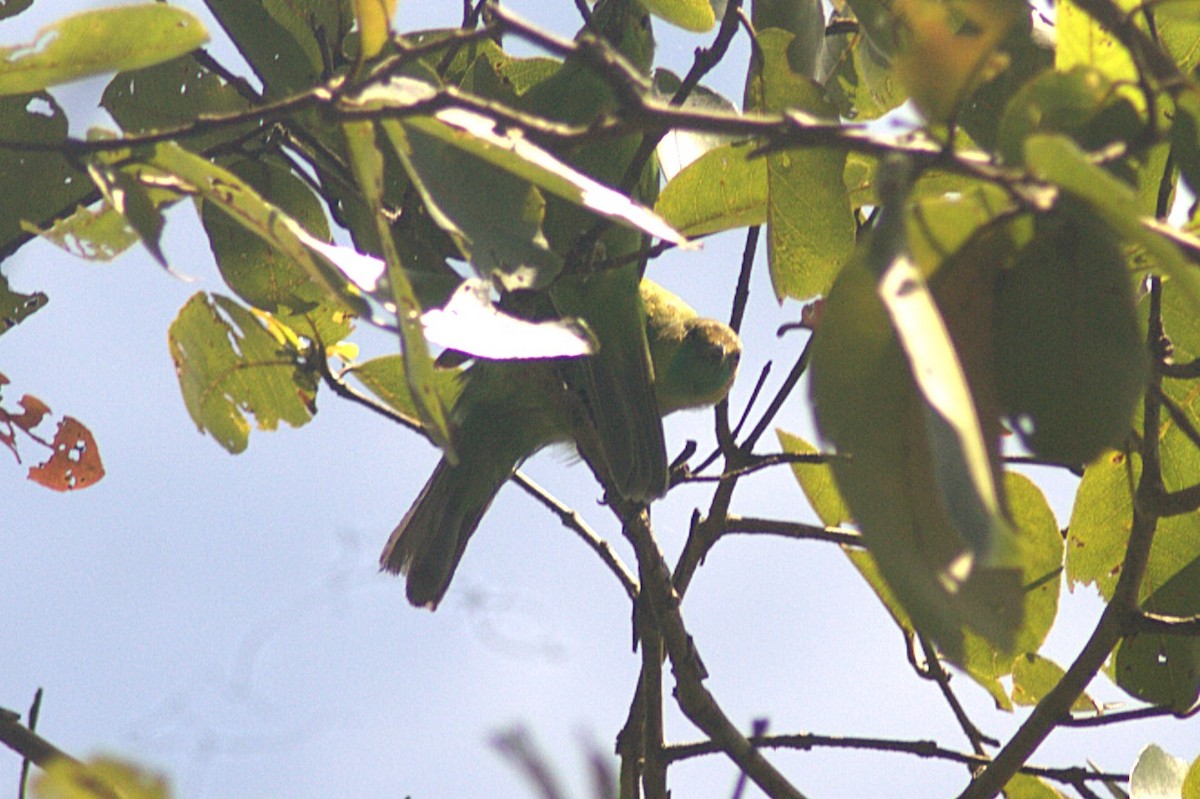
(696, 702)
(27, 743)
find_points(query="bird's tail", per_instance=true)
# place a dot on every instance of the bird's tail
(429, 541)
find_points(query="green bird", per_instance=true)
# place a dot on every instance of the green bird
(617, 384)
(508, 410)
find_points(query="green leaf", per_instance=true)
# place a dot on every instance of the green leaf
(1084, 42)
(13, 7)
(494, 217)
(868, 404)
(1034, 676)
(367, 162)
(1070, 358)
(1185, 137)
(385, 378)
(259, 272)
(691, 15)
(804, 20)
(173, 94)
(226, 191)
(35, 187)
(1080, 103)
(1057, 159)
(286, 42)
(373, 18)
(482, 137)
(721, 190)
(1191, 783)
(1026, 786)
(16, 307)
(104, 40)
(1157, 775)
(101, 778)
(99, 234)
(678, 148)
(1165, 669)
(861, 84)
(132, 200)
(816, 481)
(811, 228)
(231, 364)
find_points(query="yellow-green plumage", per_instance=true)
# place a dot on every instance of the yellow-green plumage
(617, 383)
(508, 410)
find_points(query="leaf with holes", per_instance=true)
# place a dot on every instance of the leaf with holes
(76, 461)
(229, 365)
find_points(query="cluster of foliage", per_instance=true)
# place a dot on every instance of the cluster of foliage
(1003, 271)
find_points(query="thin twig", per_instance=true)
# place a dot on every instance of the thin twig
(571, 519)
(924, 749)
(797, 530)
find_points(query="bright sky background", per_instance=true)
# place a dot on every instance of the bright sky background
(222, 619)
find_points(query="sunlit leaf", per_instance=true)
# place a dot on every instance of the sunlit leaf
(509, 150)
(691, 15)
(1082, 41)
(816, 481)
(94, 234)
(1026, 786)
(1157, 775)
(471, 324)
(1191, 783)
(721, 190)
(102, 778)
(946, 48)
(103, 40)
(131, 199)
(384, 377)
(1034, 676)
(810, 227)
(679, 148)
(263, 274)
(374, 19)
(230, 365)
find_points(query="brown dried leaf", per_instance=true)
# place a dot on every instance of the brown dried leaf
(75, 463)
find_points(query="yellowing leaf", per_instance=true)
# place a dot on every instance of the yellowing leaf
(947, 47)
(104, 40)
(691, 15)
(229, 365)
(374, 19)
